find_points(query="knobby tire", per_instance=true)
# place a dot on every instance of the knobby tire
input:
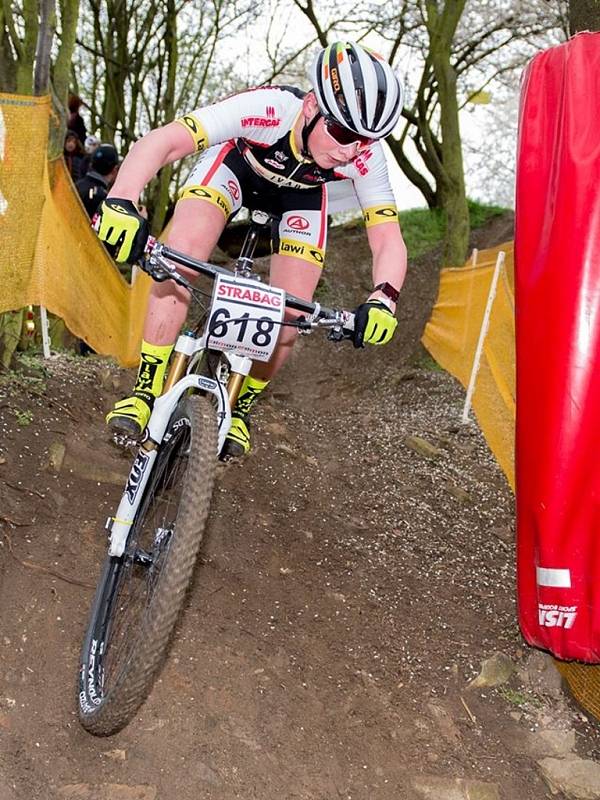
(109, 696)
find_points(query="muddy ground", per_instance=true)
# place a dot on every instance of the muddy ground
(352, 581)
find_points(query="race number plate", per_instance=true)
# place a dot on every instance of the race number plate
(245, 317)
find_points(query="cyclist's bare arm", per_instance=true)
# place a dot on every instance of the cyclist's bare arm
(159, 147)
(389, 256)
(219, 122)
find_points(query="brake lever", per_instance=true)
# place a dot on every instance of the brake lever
(161, 271)
(160, 274)
(304, 325)
(343, 328)
(337, 334)
(155, 272)
(340, 328)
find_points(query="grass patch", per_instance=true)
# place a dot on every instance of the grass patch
(323, 292)
(30, 375)
(32, 362)
(423, 228)
(521, 699)
(428, 362)
(479, 214)
(24, 418)
(422, 359)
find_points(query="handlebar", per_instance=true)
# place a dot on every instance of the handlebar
(157, 263)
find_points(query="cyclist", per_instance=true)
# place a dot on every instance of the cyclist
(277, 149)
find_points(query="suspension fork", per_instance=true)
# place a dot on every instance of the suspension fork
(234, 384)
(185, 348)
(180, 360)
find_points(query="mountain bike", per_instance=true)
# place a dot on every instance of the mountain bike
(157, 529)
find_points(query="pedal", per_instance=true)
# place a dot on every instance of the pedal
(231, 451)
(125, 441)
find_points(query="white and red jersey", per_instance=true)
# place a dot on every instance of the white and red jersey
(260, 122)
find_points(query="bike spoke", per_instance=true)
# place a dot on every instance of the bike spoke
(141, 592)
(140, 576)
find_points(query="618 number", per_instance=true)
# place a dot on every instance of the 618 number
(221, 319)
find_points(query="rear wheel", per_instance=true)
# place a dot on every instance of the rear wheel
(140, 594)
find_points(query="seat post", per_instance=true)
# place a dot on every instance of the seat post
(245, 260)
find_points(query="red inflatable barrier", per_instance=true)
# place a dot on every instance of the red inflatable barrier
(557, 292)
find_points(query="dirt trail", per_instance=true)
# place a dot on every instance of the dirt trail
(349, 588)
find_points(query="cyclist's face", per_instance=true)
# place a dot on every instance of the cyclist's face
(327, 152)
(324, 149)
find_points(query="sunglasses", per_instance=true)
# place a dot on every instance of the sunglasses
(344, 136)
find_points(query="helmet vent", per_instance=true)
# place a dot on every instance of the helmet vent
(357, 88)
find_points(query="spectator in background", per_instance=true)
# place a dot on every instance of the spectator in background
(74, 155)
(91, 144)
(93, 187)
(75, 121)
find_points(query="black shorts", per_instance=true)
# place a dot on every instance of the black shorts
(222, 177)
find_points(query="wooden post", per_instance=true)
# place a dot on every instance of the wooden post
(482, 334)
(45, 334)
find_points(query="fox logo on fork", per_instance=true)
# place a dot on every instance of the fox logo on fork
(135, 476)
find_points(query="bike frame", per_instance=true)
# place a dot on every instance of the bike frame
(186, 347)
(120, 525)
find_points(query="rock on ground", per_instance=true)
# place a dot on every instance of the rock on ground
(494, 671)
(432, 787)
(576, 778)
(106, 791)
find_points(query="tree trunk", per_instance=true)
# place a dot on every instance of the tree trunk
(413, 175)
(11, 324)
(8, 67)
(441, 25)
(116, 56)
(21, 72)
(27, 55)
(41, 77)
(161, 199)
(69, 15)
(584, 15)
(454, 198)
(25, 68)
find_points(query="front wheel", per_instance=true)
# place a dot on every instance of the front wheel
(140, 594)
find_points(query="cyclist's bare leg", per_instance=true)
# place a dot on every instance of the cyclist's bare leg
(297, 277)
(194, 230)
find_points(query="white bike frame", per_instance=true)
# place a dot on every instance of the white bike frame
(119, 526)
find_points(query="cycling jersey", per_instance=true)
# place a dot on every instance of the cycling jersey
(249, 157)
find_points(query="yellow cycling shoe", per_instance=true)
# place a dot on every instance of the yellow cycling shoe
(130, 415)
(237, 441)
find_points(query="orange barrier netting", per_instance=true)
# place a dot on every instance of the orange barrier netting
(49, 254)
(451, 337)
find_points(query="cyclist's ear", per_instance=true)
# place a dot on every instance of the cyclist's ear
(310, 106)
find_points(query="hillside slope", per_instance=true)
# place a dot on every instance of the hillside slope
(350, 585)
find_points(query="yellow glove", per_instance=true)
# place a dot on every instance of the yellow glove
(373, 323)
(122, 229)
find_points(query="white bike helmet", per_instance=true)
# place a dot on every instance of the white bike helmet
(357, 88)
